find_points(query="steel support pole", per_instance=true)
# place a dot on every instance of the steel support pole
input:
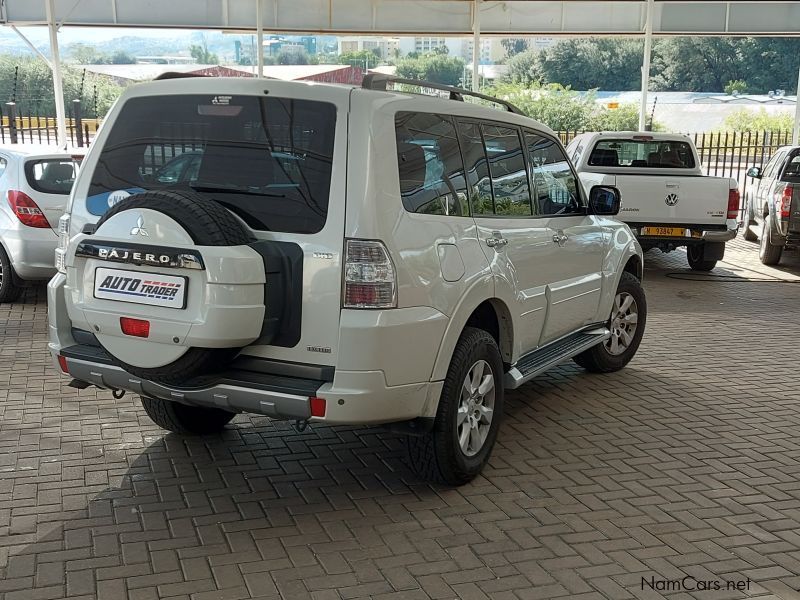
(476, 45)
(58, 80)
(796, 133)
(648, 49)
(260, 37)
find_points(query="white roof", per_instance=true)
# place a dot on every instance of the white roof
(40, 150)
(143, 72)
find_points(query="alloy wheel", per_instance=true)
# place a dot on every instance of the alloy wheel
(624, 321)
(476, 408)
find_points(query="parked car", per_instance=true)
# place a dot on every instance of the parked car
(666, 200)
(344, 255)
(772, 205)
(35, 182)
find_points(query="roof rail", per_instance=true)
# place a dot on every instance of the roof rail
(380, 81)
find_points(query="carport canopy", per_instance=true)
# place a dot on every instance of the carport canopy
(506, 18)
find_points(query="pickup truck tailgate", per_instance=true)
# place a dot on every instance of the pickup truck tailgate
(668, 199)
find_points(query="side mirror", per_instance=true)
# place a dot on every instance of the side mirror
(604, 200)
(754, 172)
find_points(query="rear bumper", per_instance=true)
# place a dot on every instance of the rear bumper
(719, 236)
(32, 252)
(356, 397)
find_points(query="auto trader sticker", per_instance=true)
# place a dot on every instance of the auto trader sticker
(152, 289)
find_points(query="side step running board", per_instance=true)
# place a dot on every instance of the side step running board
(539, 361)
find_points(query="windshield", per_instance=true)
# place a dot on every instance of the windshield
(266, 159)
(652, 154)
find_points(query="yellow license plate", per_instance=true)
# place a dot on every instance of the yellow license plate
(664, 231)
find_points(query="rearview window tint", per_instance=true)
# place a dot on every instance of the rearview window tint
(653, 154)
(51, 175)
(429, 164)
(266, 159)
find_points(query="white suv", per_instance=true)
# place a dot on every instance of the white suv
(341, 255)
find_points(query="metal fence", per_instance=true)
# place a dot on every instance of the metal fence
(20, 124)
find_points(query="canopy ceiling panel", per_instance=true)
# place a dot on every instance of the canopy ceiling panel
(445, 17)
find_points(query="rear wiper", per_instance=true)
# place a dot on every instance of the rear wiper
(233, 190)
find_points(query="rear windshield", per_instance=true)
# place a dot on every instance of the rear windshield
(653, 154)
(51, 175)
(792, 170)
(266, 159)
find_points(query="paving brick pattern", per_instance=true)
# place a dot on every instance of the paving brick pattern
(684, 464)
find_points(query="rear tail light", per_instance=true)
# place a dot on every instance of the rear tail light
(26, 210)
(369, 276)
(63, 243)
(783, 203)
(135, 327)
(318, 406)
(733, 204)
(62, 362)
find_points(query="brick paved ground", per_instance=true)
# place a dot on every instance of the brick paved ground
(685, 463)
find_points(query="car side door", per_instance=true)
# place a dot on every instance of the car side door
(766, 184)
(517, 244)
(575, 288)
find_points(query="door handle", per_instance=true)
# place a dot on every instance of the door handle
(494, 242)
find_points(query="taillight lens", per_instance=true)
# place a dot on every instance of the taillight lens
(783, 202)
(63, 243)
(135, 327)
(369, 276)
(26, 210)
(733, 204)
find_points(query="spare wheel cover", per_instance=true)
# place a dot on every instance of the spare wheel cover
(172, 220)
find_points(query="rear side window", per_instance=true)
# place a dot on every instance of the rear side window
(429, 164)
(266, 159)
(512, 196)
(792, 170)
(51, 175)
(652, 154)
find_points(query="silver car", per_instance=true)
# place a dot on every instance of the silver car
(35, 182)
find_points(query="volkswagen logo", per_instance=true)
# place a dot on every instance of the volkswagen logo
(139, 229)
(671, 199)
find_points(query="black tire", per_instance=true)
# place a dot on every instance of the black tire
(209, 224)
(600, 359)
(768, 253)
(9, 291)
(694, 254)
(186, 420)
(437, 456)
(747, 221)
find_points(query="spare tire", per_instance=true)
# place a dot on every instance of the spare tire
(208, 224)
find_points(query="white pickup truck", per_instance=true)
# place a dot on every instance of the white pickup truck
(666, 199)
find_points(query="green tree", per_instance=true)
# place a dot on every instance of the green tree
(761, 120)
(285, 57)
(698, 64)
(737, 86)
(556, 106)
(83, 54)
(523, 69)
(437, 68)
(514, 46)
(593, 63)
(202, 54)
(362, 58)
(34, 89)
(120, 57)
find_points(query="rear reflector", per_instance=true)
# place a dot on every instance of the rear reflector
(27, 211)
(317, 407)
(135, 327)
(62, 362)
(733, 204)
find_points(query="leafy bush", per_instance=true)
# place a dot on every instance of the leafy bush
(761, 120)
(436, 67)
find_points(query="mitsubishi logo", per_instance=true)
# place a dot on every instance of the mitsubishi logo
(139, 229)
(671, 199)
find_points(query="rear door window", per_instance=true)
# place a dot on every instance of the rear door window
(477, 166)
(647, 153)
(51, 175)
(266, 159)
(429, 165)
(792, 170)
(512, 195)
(555, 187)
